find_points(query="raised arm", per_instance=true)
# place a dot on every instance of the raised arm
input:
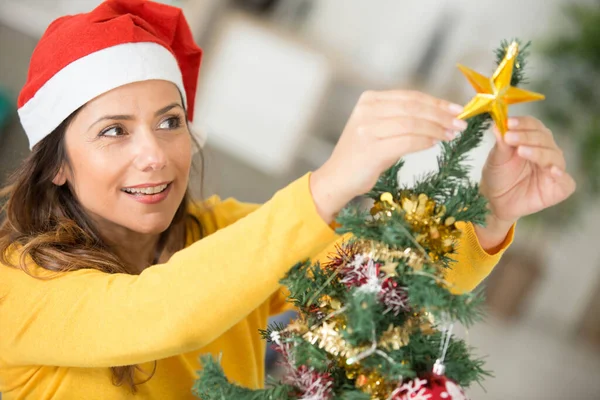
(87, 318)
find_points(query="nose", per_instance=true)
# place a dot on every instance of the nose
(150, 155)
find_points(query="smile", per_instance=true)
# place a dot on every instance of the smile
(148, 194)
(147, 190)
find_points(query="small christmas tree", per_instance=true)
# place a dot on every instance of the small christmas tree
(376, 319)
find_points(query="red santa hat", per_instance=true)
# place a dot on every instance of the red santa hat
(82, 56)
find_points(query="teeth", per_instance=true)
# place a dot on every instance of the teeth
(146, 190)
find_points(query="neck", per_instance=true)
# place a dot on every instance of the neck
(136, 250)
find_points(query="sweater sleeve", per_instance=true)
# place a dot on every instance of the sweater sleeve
(88, 318)
(472, 263)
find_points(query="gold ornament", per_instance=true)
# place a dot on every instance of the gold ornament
(495, 94)
(427, 328)
(388, 198)
(395, 337)
(352, 370)
(384, 206)
(361, 381)
(413, 259)
(374, 384)
(298, 325)
(425, 322)
(389, 269)
(329, 302)
(435, 231)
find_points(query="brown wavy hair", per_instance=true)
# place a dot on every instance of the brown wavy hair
(51, 228)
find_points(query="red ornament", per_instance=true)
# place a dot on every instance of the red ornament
(434, 388)
(394, 297)
(312, 384)
(360, 271)
(444, 388)
(343, 255)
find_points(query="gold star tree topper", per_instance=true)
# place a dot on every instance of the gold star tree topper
(495, 94)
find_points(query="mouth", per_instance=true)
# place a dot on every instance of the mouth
(148, 194)
(147, 190)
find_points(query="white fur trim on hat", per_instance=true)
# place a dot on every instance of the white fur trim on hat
(92, 75)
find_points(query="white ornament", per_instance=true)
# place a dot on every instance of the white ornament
(414, 390)
(314, 390)
(276, 337)
(359, 260)
(355, 269)
(373, 284)
(454, 391)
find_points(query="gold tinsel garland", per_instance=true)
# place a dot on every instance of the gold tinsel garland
(328, 337)
(381, 252)
(435, 231)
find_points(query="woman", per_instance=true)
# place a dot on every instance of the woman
(105, 288)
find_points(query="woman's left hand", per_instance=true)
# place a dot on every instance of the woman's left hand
(524, 173)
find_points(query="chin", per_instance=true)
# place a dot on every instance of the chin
(155, 227)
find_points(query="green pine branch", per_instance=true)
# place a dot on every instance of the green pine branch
(265, 334)
(452, 172)
(387, 182)
(363, 316)
(426, 293)
(395, 232)
(213, 385)
(518, 77)
(461, 366)
(307, 282)
(312, 356)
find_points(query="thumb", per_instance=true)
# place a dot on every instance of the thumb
(502, 152)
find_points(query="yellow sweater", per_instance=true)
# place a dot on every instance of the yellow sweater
(59, 337)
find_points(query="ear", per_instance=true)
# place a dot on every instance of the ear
(60, 178)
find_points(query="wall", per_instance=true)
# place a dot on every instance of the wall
(384, 41)
(15, 51)
(358, 31)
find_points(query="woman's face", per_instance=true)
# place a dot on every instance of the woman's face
(130, 155)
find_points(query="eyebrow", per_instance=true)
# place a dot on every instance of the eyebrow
(122, 117)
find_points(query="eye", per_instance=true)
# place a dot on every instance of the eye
(113, 131)
(171, 123)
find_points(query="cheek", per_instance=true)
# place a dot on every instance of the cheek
(181, 156)
(96, 175)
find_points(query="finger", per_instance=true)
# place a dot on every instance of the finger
(413, 95)
(502, 152)
(559, 186)
(565, 182)
(393, 148)
(525, 123)
(542, 156)
(405, 108)
(392, 127)
(533, 138)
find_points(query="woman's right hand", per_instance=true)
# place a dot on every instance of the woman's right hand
(383, 127)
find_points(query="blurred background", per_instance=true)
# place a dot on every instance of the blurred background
(280, 78)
